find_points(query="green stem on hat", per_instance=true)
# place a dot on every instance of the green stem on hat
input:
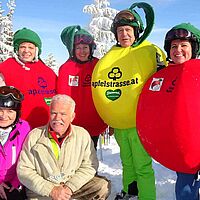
(149, 15)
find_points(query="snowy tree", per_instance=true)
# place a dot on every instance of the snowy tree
(102, 18)
(51, 62)
(6, 31)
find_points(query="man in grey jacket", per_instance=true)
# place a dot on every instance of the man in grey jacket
(58, 161)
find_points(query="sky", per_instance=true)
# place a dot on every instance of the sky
(49, 17)
(110, 167)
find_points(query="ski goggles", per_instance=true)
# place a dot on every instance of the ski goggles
(6, 91)
(83, 39)
(9, 103)
(179, 33)
(124, 15)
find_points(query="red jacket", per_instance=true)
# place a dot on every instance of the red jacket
(74, 79)
(36, 84)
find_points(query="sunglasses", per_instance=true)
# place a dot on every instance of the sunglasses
(9, 90)
(179, 33)
(124, 15)
(83, 39)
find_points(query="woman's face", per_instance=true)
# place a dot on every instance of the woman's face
(27, 52)
(7, 117)
(180, 51)
(82, 52)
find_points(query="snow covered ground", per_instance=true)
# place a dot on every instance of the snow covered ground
(110, 166)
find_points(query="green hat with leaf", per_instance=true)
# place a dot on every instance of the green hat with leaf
(75, 35)
(130, 17)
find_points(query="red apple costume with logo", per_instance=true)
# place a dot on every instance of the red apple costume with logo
(74, 79)
(34, 79)
(169, 128)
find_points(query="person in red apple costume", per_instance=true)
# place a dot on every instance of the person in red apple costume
(26, 71)
(182, 44)
(169, 128)
(74, 79)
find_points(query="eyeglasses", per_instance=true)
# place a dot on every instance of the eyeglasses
(179, 33)
(124, 15)
(10, 90)
(84, 39)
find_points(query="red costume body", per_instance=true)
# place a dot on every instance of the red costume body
(168, 115)
(36, 82)
(74, 79)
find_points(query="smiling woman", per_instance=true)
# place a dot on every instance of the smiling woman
(27, 52)
(177, 90)
(74, 78)
(26, 71)
(13, 131)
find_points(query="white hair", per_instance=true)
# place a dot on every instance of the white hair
(65, 99)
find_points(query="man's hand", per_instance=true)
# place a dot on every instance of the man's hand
(2, 191)
(61, 192)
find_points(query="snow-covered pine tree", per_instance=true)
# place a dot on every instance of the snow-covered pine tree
(6, 30)
(99, 27)
(50, 61)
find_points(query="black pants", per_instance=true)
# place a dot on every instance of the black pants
(15, 194)
(95, 141)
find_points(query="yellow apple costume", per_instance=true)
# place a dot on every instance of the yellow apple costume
(116, 85)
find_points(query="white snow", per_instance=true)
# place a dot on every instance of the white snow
(110, 166)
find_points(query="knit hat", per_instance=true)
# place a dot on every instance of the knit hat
(26, 35)
(131, 18)
(184, 31)
(75, 35)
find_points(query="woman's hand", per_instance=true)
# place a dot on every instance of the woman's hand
(3, 186)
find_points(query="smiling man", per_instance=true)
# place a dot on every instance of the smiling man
(125, 35)
(117, 81)
(58, 161)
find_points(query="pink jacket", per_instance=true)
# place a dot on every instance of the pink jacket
(10, 151)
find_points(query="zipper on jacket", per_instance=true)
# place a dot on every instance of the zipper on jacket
(13, 154)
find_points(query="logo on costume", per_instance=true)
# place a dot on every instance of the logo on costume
(87, 80)
(42, 83)
(73, 80)
(43, 88)
(117, 85)
(115, 73)
(172, 86)
(156, 84)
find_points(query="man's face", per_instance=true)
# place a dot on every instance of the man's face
(60, 117)
(125, 35)
(27, 52)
